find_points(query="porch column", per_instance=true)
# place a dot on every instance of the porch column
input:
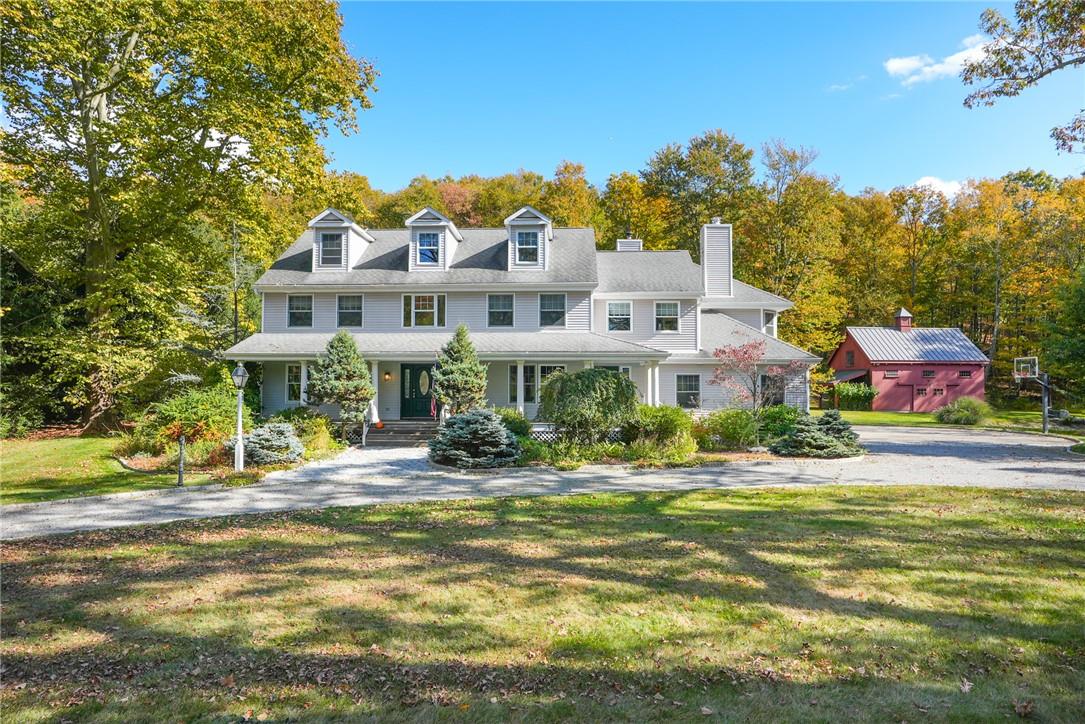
(520, 386)
(648, 386)
(588, 364)
(374, 415)
(655, 383)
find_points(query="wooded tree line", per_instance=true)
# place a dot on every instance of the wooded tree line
(151, 172)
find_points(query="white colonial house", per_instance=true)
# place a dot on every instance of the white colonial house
(537, 299)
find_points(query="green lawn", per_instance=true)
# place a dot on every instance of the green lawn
(67, 467)
(1023, 420)
(823, 604)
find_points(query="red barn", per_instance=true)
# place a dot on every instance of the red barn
(914, 369)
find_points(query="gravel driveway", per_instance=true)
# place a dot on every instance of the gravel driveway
(898, 456)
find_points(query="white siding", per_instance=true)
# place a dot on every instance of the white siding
(713, 397)
(643, 324)
(716, 259)
(388, 393)
(383, 312)
(752, 317)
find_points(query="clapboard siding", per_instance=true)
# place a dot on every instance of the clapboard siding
(643, 324)
(713, 397)
(752, 317)
(383, 312)
(497, 384)
(716, 259)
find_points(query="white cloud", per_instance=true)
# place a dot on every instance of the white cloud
(838, 87)
(948, 188)
(914, 69)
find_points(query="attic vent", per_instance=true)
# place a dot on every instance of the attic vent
(630, 245)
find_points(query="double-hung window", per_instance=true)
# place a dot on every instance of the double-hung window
(768, 322)
(619, 316)
(499, 310)
(423, 310)
(547, 370)
(428, 248)
(687, 389)
(349, 310)
(331, 248)
(293, 383)
(529, 383)
(551, 310)
(617, 369)
(666, 316)
(299, 310)
(527, 247)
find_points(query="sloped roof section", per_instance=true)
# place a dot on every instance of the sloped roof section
(721, 330)
(482, 258)
(378, 345)
(648, 271)
(921, 344)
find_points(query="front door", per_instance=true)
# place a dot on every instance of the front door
(417, 391)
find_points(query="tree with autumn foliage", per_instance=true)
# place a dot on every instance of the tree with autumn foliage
(752, 382)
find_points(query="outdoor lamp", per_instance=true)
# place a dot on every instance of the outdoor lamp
(240, 376)
(387, 376)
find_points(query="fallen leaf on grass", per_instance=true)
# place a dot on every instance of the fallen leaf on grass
(966, 686)
(1023, 709)
(706, 711)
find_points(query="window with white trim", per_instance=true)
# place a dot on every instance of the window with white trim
(619, 316)
(666, 316)
(423, 310)
(938, 391)
(687, 391)
(545, 371)
(349, 310)
(551, 310)
(299, 310)
(927, 374)
(529, 383)
(768, 322)
(499, 310)
(293, 383)
(429, 243)
(921, 391)
(527, 247)
(966, 374)
(892, 374)
(619, 369)
(331, 248)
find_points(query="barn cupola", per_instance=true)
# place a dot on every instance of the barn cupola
(530, 233)
(434, 239)
(904, 320)
(716, 259)
(338, 242)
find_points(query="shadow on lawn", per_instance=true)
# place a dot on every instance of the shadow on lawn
(618, 549)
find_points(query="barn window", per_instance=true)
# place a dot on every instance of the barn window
(967, 374)
(849, 359)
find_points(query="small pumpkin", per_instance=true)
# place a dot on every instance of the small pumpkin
(379, 425)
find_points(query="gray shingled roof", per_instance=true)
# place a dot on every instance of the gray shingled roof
(721, 330)
(921, 344)
(648, 271)
(481, 258)
(281, 345)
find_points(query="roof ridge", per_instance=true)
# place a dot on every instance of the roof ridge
(763, 334)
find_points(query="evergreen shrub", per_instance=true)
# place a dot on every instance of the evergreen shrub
(474, 439)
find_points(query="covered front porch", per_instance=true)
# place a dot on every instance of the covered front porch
(404, 387)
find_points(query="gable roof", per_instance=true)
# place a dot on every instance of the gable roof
(429, 215)
(648, 271)
(718, 329)
(482, 259)
(921, 344)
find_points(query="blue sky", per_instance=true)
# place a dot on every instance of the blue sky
(489, 88)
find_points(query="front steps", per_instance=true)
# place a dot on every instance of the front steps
(402, 433)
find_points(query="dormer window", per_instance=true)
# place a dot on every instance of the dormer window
(429, 244)
(527, 247)
(331, 248)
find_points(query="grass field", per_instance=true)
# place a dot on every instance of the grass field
(827, 604)
(68, 467)
(1021, 420)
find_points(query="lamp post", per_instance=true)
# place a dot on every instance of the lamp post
(240, 376)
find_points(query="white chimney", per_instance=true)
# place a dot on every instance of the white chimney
(716, 259)
(628, 244)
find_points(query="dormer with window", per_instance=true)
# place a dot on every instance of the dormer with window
(434, 239)
(338, 242)
(530, 233)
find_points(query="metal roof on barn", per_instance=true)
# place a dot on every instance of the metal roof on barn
(920, 344)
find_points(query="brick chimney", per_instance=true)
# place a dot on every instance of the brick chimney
(904, 320)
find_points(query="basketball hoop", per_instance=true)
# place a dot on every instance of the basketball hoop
(1025, 368)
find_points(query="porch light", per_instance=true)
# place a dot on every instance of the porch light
(240, 376)
(387, 376)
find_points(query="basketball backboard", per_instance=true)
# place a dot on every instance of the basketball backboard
(1026, 368)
